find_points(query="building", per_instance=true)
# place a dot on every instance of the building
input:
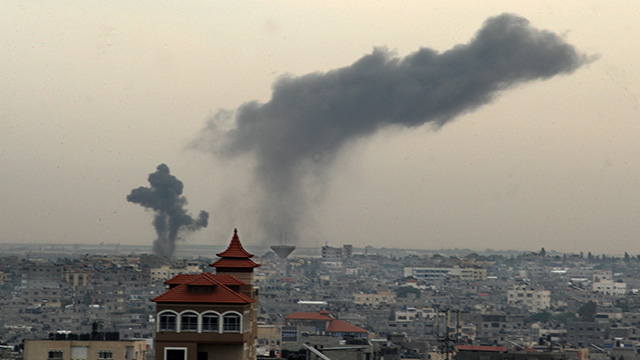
(77, 277)
(206, 316)
(609, 287)
(318, 335)
(437, 273)
(64, 348)
(333, 256)
(268, 339)
(375, 299)
(318, 323)
(478, 352)
(42, 274)
(411, 314)
(501, 327)
(179, 267)
(530, 298)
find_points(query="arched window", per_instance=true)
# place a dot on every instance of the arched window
(167, 321)
(210, 322)
(231, 322)
(189, 321)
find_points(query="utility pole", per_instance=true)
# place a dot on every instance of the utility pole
(449, 336)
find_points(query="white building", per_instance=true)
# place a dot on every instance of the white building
(534, 300)
(434, 273)
(167, 272)
(609, 287)
(381, 296)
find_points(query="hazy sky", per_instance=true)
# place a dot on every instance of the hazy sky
(94, 97)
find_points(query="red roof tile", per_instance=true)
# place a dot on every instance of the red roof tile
(204, 280)
(234, 263)
(344, 327)
(217, 292)
(235, 249)
(182, 278)
(228, 280)
(309, 316)
(185, 278)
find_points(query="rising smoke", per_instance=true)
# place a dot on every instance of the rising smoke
(298, 133)
(171, 219)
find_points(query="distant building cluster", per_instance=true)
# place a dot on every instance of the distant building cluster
(335, 303)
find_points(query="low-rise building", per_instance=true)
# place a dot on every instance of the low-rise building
(529, 297)
(319, 323)
(64, 348)
(609, 287)
(437, 273)
(375, 299)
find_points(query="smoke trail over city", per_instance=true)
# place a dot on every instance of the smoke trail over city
(296, 135)
(165, 198)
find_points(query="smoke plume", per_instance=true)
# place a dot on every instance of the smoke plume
(165, 198)
(296, 135)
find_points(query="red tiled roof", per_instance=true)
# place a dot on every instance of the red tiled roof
(309, 316)
(234, 263)
(228, 280)
(217, 292)
(235, 249)
(205, 279)
(181, 278)
(185, 278)
(481, 348)
(344, 327)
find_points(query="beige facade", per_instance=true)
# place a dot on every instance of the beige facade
(165, 272)
(268, 338)
(473, 274)
(78, 277)
(381, 296)
(179, 267)
(4, 277)
(534, 300)
(85, 350)
(609, 287)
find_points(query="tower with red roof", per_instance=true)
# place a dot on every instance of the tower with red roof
(236, 261)
(206, 316)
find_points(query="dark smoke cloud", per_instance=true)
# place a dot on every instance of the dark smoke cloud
(295, 136)
(165, 198)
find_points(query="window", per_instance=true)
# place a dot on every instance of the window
(105, 354)
(189, 322)
(55, 354)
(175, 353)
(167, 322)
(231, 323)
(246, 324)
(211, 322)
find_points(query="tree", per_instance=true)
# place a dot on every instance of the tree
(623, 305)
(564, 317)
(402, 291)
(543, 316)
(587, 311)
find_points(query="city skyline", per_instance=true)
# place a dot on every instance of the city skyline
(97, 96)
